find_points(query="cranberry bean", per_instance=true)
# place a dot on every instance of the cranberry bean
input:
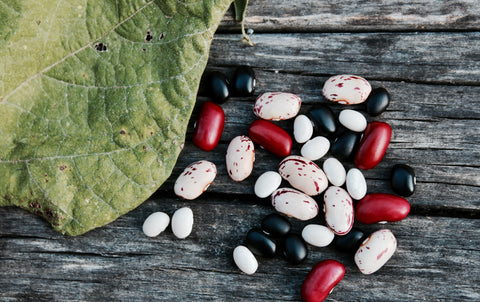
(339, 214)
(375, 251)
(321, 280)
(378, 207)
(346, 89)
(240, 157)
(294, 203)
(209, 126)
(303, 174)
(195, 179)
(271, 137)
(373, 145)
(276, 106)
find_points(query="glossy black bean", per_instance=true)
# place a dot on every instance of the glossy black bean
(260, 243)
(345, 146)
(323, 119)
(276, 225)
(294, 248)
(403, 180)
(217, 87)
(351, 241)
(377, 102)
(244, 81)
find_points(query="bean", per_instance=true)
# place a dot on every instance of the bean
(403, 179)
(276, 225)
(346, 89)
(245, 260)
(195, 179)
(271, 137)
(240, 157)
(260, 243)
(182, 222)
(303, 174)
(294, 203)
(277, 106)
(377, 102)
(373, 145)
(379, 207)
(321, 280)
(209, 126)
(244, 81)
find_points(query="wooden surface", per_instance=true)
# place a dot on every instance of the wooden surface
(426, 53)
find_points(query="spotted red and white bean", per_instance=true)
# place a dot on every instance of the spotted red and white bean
(240, 157)
(195, 179)
(276, 106)
(303, 174)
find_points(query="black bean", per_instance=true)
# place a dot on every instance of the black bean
(403, 180)
(345, 146)
(260, 243)
(244, 81)
(351, 241)
(217, 86)
(276, 225)
(323, 119)
(294, 248)
(377, 101)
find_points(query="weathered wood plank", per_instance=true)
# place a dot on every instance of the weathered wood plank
(119, 262)
(351, 15)
(437, 57)
(423, 52)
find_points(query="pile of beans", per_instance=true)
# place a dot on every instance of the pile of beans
(364, 142)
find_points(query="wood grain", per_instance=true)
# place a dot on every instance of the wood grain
(425, 53)
(119, 262)
(351, 15)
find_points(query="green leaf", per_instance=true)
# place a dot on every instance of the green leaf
(240, 9)
(95, 97)
(240, 12)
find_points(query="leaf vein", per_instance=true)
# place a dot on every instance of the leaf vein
(89, 44)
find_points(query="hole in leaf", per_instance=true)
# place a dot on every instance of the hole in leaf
(122, 132)
(100, 47)
(162, 35)
(148, 36)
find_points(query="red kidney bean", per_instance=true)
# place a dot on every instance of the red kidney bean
(271, 137)
(209, 126)
(377, 207)
(373, 145)
(321, 280)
